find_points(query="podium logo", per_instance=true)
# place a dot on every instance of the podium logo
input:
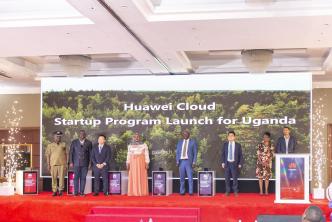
(292, 165)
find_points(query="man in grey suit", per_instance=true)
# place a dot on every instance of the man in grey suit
(286, 143)
(100, 157)
(79, 160)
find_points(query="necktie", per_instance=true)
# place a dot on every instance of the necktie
(100, 147)
(184, 150)
(230, 151)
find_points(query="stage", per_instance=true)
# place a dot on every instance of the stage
(245, 207)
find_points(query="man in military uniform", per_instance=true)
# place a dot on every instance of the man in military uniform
(56, 156)
(79, 160)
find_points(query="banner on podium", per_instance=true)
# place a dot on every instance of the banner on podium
(206, 186)
(159, 183)
(292, 178)
(30, 182)
(114, 182)
(70, 182)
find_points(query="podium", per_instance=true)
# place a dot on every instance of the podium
(292, 178)
(162, 183)
(118, 182)
(206, 183)
(70, 183)
(26, 182)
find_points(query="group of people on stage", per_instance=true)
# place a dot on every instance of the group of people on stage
(83, 152)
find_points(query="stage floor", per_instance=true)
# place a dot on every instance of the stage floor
(245, 207)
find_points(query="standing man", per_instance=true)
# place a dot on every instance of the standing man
(231, 161)
(100, 157)
(286, 143)
(56, 156)
(79, 159)
(186, 156)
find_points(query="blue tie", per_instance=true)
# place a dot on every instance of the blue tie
(230, 151)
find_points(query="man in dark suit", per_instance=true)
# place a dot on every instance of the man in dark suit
(231, 161)
(79, 159)
(100, 157)
(286, 143)
(186, 156)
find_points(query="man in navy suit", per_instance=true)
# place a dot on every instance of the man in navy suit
(286, 143)
(100, 157)
(231, 161)
(186, 156)
(79, 159)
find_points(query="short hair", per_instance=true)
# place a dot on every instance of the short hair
(102, 135)
(286, 127)
(267, 134)
(313, 214)
(231, 132)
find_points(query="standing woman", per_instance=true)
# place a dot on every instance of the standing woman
(265, 152)
(137, 164)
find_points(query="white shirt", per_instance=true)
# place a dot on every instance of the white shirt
(287, 141)
(100, 147)
(233, 151)
(184, 156)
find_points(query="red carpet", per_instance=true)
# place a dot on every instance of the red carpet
(45, 208)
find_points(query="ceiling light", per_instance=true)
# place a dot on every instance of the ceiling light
(257, 60)
(75, 65)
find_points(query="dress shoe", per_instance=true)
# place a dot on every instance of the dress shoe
(76, 194)
(82, 194)
(60, 193)
(236, 194)
(182, 194)
(54, 194)
(95, 194)
(106, 194)
(191, 194)
(227, 194)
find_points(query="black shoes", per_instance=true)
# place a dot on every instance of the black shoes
(82, 194)
(182, 194)
(60, 193)
(191, 194)
(76, 194)
(227, 194)
(106, 194)
(54, 194)
(95, 194)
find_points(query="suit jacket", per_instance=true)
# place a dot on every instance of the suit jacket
(79, 155)
(103, 157)
(238, 157)
(281, 145)
(192, 151)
